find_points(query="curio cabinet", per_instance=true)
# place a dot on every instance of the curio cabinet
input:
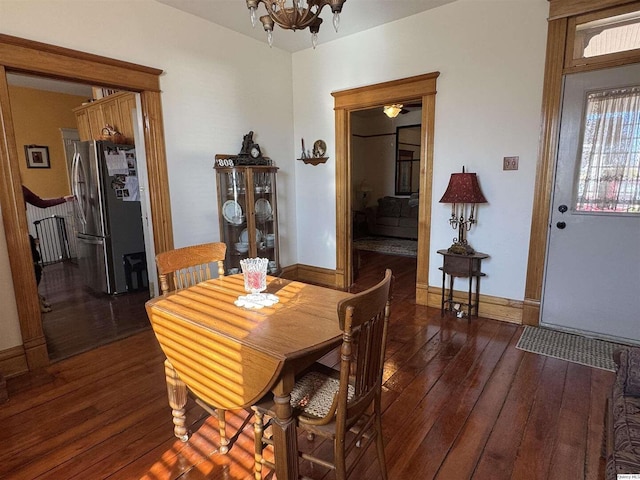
(248, 213)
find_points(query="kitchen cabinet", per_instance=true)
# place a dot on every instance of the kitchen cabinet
(114, 110)
(248, 213)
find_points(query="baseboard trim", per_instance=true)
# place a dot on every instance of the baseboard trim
(308, 274)
(495, 308)
(13, 361)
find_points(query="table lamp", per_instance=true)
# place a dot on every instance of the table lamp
(463, 189)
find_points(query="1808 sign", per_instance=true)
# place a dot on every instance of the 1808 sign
(225, 162)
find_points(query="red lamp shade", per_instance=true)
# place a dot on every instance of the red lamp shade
(463, 188)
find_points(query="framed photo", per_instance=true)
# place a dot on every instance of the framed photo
(37, 156)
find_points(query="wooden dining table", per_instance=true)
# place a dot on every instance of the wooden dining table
(231, 356)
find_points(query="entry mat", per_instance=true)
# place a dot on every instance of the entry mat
(566, 346)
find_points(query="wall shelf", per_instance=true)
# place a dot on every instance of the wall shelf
(314, 160)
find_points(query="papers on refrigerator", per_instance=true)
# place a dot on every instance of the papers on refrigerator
(116, 163)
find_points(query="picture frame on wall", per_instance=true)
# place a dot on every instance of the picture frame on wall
(37, 156)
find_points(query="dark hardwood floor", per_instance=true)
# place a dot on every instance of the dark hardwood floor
(81, 320)
(460, 402)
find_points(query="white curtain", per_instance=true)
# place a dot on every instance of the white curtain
(609, 176)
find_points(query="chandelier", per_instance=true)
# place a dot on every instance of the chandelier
(297, 17)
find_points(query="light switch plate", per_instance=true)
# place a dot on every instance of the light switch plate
(510, 163)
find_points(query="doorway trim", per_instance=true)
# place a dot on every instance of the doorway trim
(26, 56)
(422, 87)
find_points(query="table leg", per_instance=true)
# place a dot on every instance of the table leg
(442, 299)
(285, 440)
(470, 306)
(177, 392)
(477, 296)
(450, 294)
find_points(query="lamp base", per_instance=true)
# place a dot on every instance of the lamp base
(460, 248)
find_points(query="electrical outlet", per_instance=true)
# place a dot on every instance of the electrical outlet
(510, 163)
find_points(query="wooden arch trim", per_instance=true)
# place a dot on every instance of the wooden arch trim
(421, 87)
(26, 56)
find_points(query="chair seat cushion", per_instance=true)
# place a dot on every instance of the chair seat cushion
(314, 392)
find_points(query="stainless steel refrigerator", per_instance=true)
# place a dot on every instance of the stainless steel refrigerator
(108, 215)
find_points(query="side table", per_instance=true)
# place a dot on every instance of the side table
(463, 266)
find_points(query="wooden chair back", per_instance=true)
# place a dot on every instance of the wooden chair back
(183, 267)
(356, 406)
(363, 320)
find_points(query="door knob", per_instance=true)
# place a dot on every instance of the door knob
(562, 208)
(561, 225)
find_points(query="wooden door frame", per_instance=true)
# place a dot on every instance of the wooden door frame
(421, 87)
(557, 64)
(26, 56)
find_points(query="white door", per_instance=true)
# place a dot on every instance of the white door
(592, 274)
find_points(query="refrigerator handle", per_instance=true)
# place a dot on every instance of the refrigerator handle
(75, 187)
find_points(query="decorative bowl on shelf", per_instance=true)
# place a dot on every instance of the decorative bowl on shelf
(242, 247)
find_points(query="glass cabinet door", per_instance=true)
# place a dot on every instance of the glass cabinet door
(247, 204)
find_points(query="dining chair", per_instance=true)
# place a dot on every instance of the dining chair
(341, 406)
(181, 268)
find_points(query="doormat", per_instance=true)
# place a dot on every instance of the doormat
(389, 246)
(566, 346)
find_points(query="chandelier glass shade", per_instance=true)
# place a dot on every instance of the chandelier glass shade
(300, 15)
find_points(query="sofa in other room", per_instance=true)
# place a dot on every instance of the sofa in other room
(394, 217)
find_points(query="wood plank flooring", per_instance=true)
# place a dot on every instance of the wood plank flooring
(460, 402)
(82, 320)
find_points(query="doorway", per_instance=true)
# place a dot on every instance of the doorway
(592, 271)
(36, 58)
(385, 154)
(74, 317)
(422, 88)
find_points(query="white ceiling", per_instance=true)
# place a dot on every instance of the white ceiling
(356, 16)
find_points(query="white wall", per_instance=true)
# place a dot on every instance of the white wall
(217, 85)
(490, 55)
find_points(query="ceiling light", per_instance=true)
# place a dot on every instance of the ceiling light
(392, 111)
(296, 17)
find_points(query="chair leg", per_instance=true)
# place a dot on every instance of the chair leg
(339, 457)
(258, 430)
(177, 392)
(222, 426)
(379, 440)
